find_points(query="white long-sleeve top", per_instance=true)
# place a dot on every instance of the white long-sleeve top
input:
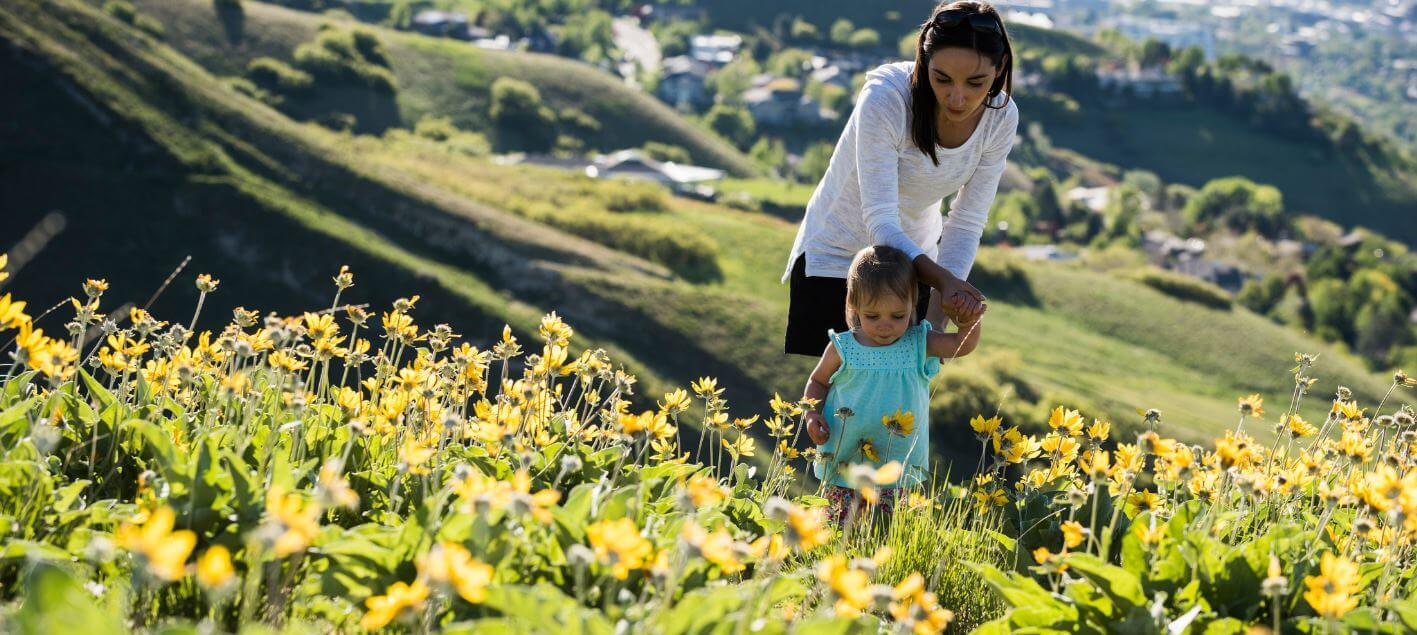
(880, 189)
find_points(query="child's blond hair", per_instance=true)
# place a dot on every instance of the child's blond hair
(875, 270)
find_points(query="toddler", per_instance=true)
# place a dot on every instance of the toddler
(872, 384)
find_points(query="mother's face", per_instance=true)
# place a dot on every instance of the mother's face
(960, 78)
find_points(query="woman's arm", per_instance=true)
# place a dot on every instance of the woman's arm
(970, 208)
(880, 120)
(818, 385)
(949, 345)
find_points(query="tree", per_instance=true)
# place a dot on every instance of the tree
(864, 39)
(1239, 204)
(1264, 294)
(588, 37)
(769, 152)
(522, 121)
(908, 45)
(790, 62)
(842, 30)
(1153, 52)
(804, 31)
(814, 162)
(730, 82)
(733, 123)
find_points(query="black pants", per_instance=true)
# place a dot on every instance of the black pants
(817, 304)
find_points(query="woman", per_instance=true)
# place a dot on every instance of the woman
(920, 131)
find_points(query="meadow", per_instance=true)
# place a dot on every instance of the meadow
(351, 469)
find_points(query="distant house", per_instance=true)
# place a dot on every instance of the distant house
(668, 12)
(635, 164)
(1177, 34)
(1147, 83)
(831, 74)
(716, 50)
(681, 83)
(541, 41)
(441, 24)
(1045, 252)
(1094, 198)
(1187, 256)
(779, 101)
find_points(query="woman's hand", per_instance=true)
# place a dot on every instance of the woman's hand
(961, 301)
(817, 427)
(958, 299)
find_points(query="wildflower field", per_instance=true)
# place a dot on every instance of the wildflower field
(349, 470)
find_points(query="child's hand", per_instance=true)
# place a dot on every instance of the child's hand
(817, 427)
(963, 313)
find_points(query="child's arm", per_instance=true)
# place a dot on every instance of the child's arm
(959, 344)
(816, 389)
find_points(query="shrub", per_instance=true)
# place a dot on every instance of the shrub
(347, 57)
(121, 10)
(1186, 288)
(632, 196)
(274, 75)
(691, 256)
(442, 130)
(733, 123)
(435, 128)
(150, 25)
(522, 121)
(665, 152)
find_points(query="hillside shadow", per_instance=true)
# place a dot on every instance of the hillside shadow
(233, 22)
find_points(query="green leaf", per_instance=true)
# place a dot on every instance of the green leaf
(96, 389)
(1405, 611)
(65, 497)
(16, 385)
(16, 413)
(1224, 626)
(545, 609)
(1005, 541)
(55, 602)
(1016, 589)
(1121, 585)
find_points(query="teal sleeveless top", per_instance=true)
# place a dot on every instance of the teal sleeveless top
(874, 382)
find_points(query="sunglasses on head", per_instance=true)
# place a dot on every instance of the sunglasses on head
(978, 21)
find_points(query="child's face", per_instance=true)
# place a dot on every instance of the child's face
(885, 318)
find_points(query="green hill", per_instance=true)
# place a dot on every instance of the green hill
(151, 158)
(443, 77)
(1374, 185)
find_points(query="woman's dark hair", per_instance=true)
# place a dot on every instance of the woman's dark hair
(964, 24)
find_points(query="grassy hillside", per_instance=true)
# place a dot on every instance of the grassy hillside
(443, 77)
(1193, 144)
(180, 164)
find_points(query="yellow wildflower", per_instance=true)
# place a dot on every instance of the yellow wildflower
(294, 521)
(868, 450)
(384, 608)
(1072, 534)
(899, 423)
(850, 586)
(1252, 406)
(717, 547)
(452, 565)
(982, 427)
(165, 550)
(214, 570)
(1066, 420)
(742, 446)
(619, 544)
(1334, 591)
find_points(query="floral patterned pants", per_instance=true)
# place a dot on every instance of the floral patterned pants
(842, 500)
